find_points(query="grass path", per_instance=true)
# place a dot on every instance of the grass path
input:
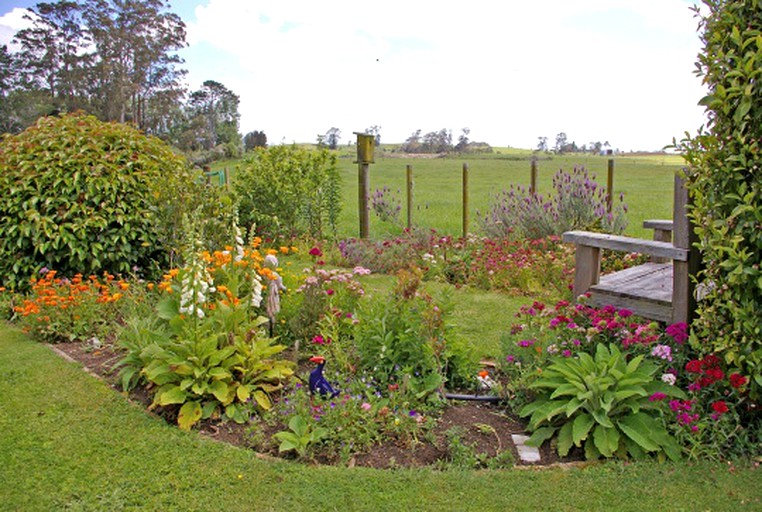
(68, 442)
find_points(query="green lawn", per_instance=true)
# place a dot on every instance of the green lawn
(69, 442)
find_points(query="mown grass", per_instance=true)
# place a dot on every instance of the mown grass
(71, 443)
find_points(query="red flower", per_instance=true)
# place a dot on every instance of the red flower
(693, 366)
(315, 251)
(715, 374)
(737, 380)
(720, 407)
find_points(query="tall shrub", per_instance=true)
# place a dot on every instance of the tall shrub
(289, 191)
(724, 180)
(83, 196)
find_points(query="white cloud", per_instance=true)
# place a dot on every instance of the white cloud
(10, 23)
(617, 70)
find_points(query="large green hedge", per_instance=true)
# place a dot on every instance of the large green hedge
(80, 195)
(725, 183)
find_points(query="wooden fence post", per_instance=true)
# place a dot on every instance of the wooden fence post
(363, 189)
(533, 177)
(465, 200)
(610, 186)
(409, 180)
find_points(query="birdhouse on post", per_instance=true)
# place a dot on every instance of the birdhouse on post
(366, 144)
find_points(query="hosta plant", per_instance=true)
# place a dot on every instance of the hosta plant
(604, 404)
(206, 378)
(299, 436)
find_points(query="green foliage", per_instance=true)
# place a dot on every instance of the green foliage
(288, 191)
(405, 338)
(81, 196)
(205, 353)
(601, 403)
(299, 438)
(725, 167)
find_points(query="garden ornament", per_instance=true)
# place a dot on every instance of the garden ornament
(318, 383)
(273, 294)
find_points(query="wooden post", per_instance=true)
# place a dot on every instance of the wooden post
(226, 176)
(533, 177)
(365, 154)
(363, 189)
(610, 186)
(465, 200)
(409, 180)
(683, 299)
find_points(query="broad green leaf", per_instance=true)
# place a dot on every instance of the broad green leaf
(189, 415)
(606, 440)
(218, 373)
(580, 428)
(298, 426)
(168, 308)
(591, 451)
(175, 395)
(633, 365)
(262, 399)
(602, 418)
(636, 428)
(243, 393)
(572, 406)
(547, 412)
(220, 390)
(540, 435)
(288, 441)
(565, 441)
(565, 390)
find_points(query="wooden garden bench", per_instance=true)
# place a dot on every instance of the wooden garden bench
(660, 289)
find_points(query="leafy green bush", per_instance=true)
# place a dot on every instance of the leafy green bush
(83, 196)
(725, 184)
(405, 338)
(601, 402)
(289, 191)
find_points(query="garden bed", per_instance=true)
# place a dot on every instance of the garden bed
(467, 434)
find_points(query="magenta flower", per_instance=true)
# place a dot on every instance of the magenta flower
(657, 397)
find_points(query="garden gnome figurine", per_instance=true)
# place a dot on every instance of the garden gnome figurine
(273, 290)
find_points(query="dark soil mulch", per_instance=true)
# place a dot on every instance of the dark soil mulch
(486, 428)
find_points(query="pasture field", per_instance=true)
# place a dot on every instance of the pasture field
(646, 181)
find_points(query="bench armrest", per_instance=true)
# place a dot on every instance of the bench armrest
(661, 225)
(626, 244)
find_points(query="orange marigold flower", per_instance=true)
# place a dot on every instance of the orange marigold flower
(150, 286)
(271, 251)
(123, 285)
(283, 250)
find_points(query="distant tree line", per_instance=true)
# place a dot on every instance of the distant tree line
(441, 142)
(563, 145)
(117, 60)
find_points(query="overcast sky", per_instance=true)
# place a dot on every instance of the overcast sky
(511, 71)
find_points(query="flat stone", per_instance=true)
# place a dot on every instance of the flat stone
(526, 453)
